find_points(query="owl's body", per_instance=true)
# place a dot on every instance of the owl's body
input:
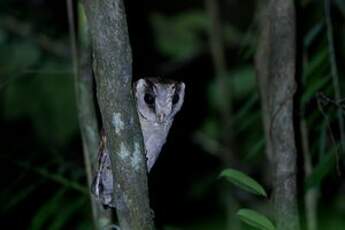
(154, 138)
(157, 103)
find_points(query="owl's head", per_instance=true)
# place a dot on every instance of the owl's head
(158, 100)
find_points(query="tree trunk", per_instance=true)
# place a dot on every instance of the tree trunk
(88, 118)
(112, 62)
(275, 64)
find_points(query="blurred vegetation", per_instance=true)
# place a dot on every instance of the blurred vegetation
(43, 180)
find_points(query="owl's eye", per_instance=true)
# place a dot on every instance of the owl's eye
(175, 98)
(149, 99)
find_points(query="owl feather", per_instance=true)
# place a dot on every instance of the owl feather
(158, 101)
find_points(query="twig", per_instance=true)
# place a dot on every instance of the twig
(327, 100)
(218, 57)
(54, 177)
(227, 143)
(23, 29)
(310, 196)
(334, 71)
(320, 106)
(72, 36)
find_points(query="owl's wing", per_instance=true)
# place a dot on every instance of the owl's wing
(96, 186)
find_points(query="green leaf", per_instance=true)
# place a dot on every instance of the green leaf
(17, 197)
(317, 66)
(240, 82)
(341, 6)
(70, 209)
(47, 210)
(178, 37)
(323, 169)
(211, 128)
(47, 99)
(19, 58)
(255, 219)
(243, 181)
(312, 34)
(255, 150)
(313, 88)
(246, 108)
(3, 36)
(243, 81)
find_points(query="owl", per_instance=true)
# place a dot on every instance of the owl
(157, 101)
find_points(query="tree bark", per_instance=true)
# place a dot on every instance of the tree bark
(112, 65)
(276, 66)
(88, 119)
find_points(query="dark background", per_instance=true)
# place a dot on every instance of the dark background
(43, 183)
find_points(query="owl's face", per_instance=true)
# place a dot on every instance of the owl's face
(158, 101)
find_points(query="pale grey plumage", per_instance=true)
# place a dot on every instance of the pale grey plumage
(157, 101)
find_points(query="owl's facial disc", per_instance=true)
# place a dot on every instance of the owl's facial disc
(158, 101)
(149, 99)
(165, 100)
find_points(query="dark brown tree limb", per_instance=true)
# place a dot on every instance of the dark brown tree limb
(112, 65)
(276, 67)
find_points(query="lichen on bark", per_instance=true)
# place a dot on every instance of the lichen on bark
(112, 65)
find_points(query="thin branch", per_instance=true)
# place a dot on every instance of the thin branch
(72, 36)
(311, 196)
(219, 62)
(56, 177)
(262, 69)
(319, 99)
(334, 71)
(24, 30)
(227, 144)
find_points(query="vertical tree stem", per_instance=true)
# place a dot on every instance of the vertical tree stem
(278, 79)
(215, 35)
(311, 196)
(262, 69)
(334, 72)
(87, 110)
(218, 56)
(112, 65)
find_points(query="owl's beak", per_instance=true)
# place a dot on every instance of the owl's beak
(161, 117)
